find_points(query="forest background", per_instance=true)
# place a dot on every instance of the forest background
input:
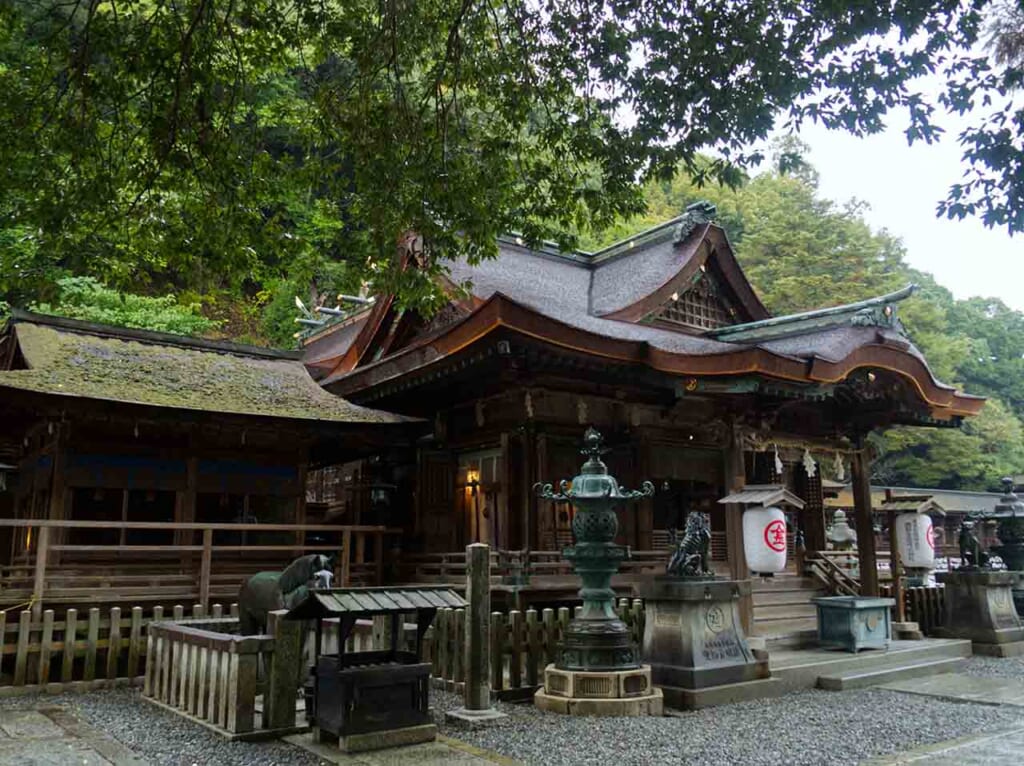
(194, 166)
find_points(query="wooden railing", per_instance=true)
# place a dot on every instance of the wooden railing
(522, 644)
(826, 570)
(191, 571)
(201, 669)
(451, 567)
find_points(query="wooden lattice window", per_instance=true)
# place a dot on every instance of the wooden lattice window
(702, 306)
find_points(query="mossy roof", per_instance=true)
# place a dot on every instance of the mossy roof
(113, 364)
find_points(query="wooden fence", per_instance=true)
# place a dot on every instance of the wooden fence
(924, 605)
(522, 644)
(88, 649)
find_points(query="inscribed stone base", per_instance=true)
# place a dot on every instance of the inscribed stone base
(651, 704)
(1009, 649)
(463, 718)
(725, 694)
(378, 740)
(979, 606)
(693, 634)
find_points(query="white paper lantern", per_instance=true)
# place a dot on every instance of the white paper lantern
(916, 541)
(764, 539)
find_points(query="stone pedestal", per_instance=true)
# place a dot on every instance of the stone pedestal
(599, 693)
(694, 641)
(979, 607)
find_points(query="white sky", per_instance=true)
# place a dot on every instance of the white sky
(903, 184)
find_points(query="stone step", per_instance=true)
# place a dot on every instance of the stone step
(784, 582)
(791, 611)
(858, 679)
(777, 597)
(774, 629)
(801, 669)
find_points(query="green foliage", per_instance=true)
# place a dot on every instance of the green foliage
(972, 457)
(87, 299)
(215, 148)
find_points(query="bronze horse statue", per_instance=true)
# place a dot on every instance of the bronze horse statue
(266, 591)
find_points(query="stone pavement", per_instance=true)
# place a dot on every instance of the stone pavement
(443, 752)
(1002, 748)
(963, 688)
(51, 736)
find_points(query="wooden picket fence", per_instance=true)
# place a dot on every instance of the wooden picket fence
(924, 605)
(522, 644)
(79, 650)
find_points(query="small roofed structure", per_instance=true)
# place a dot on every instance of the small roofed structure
(764, 496)
(911, 504)
(355, 696)
(115, 428)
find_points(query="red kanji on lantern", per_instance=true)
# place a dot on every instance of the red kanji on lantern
(775, 535)
(929, 535)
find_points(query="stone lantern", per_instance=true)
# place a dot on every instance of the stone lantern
(1009, 513)
(597, 669)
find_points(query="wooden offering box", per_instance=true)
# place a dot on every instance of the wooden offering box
(371, 691)
(375, 699)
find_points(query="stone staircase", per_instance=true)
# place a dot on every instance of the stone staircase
(783, 612)
(838, 670)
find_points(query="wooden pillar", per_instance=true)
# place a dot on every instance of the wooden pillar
(501, 531)
(59, 493)
(861, 476)
(300, 499)
(39, 581)
(735, 479)
(895, 564)
(645, 508)
(528, 452)
(543, 511)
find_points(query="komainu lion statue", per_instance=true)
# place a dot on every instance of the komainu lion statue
(690, 558)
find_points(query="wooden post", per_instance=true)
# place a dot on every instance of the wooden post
(346, 558)
(735, 480)
(476, 647)
(70, 634)
(21, 657)
(45, 648)
(204, 568)
(285, 668)
(39, 582)
(378, 557)
(861, 475)
(896, 565)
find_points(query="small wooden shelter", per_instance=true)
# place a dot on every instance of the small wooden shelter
(138, 452)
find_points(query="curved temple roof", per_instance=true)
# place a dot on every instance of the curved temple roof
(607, 304)
(77, 359)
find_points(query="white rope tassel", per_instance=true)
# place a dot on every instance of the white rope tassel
(809, 465)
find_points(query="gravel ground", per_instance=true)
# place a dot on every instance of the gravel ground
(996, 667)
(160, 737)
(808, 727)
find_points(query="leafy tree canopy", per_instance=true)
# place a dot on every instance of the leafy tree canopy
(213, 146)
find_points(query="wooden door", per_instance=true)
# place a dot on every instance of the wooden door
(435, 501)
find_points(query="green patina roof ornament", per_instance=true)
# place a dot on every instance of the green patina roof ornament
(873, 312)
(697, 214)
